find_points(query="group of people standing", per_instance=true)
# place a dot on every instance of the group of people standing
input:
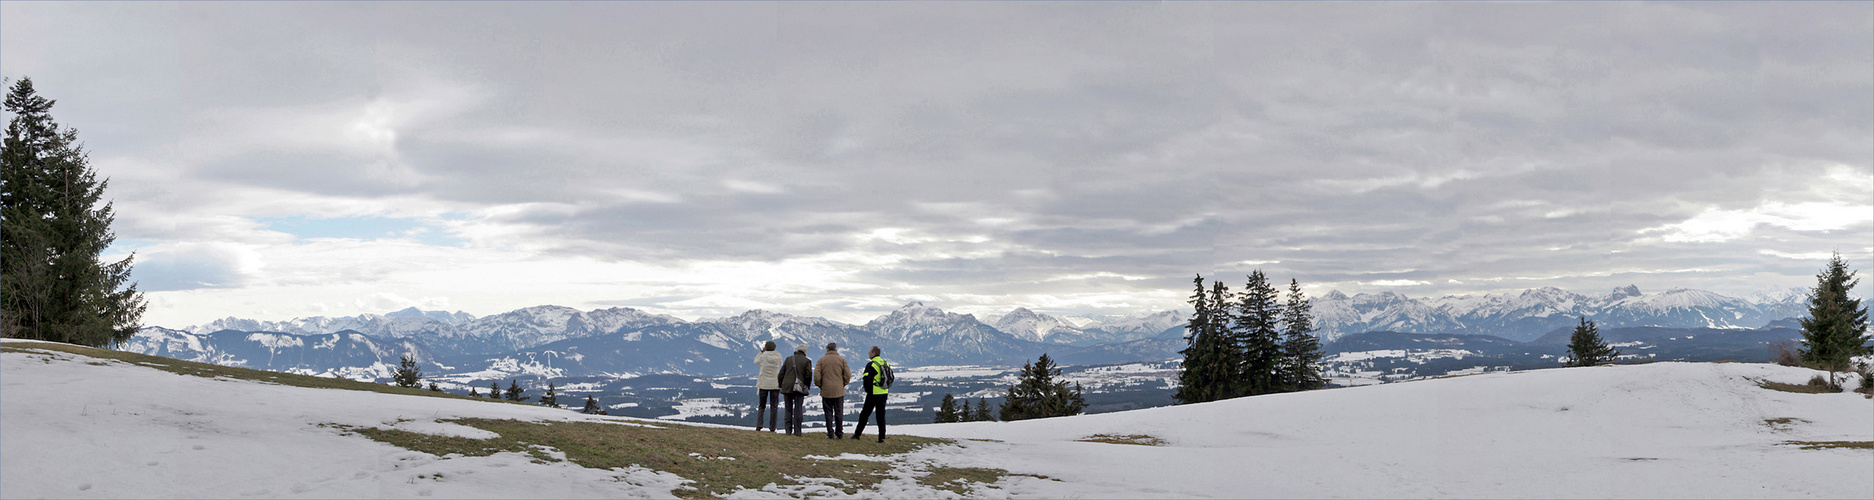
(788, 380)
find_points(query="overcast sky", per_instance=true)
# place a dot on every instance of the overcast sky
(271, 160)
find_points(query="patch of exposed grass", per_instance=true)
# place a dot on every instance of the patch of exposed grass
(718, 460)
(1138, 439)
(1817, 445)
(1783, 423)
(957, 479)
(206, 370)
(1799, 389)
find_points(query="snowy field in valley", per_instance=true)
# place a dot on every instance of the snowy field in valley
(72, 426)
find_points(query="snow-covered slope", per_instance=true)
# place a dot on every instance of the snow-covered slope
(1665, 430)
(78, 427)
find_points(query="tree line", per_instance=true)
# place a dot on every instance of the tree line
(1038, 392)
(1249, 342)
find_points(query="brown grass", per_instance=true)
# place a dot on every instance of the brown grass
(1818, 445)
(1797, 388)
(1136, 439)
(957, 479)
(724, 460)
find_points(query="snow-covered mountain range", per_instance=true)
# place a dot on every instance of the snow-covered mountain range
(1530, 314)
(555, 341)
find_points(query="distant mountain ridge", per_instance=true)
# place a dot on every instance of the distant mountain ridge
(542, 340)
(1532, 313)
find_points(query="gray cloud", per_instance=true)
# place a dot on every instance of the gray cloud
(1464, 142)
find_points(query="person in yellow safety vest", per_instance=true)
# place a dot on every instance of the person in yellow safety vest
(875, 392)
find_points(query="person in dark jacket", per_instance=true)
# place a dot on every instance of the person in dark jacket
(875, 393)
(832, 375)
(795, 379)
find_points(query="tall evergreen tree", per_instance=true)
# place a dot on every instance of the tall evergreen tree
(592, 406)
(52, 231)
(1036, 393)
(551, 398)
(1209, 362)
(494, 389)
(964, 414)
(1585, 347)
(408, 374)
(1255, 333)
(1301, 350)
(982, 411)
(947, 410)
(1836, 330)
(514, 391)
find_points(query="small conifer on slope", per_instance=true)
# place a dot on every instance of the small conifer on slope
(1038, 395)
(1585, 347)
(1836, 330)
(947, 411)
(407, 375)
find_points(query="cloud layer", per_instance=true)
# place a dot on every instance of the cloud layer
(840, 159)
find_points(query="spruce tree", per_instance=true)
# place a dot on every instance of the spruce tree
(982, 411)
(1256, 336)
(1585, 347)
(407, 375)
(946, 411)
(1301, 350)
(1836, 330)
(592, 406)
(514, 391)
(1209, 363)
(1036, 394)
(54, 225)
(964, 414)
(550, 399)
(494, 389)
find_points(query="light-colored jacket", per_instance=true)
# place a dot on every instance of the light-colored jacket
(832, 375)
(770, 363)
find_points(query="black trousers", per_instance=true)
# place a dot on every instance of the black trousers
(835, 412)
(796, 412)
(769, 406)
(872, 401)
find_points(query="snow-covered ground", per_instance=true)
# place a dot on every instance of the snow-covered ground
(78, 427)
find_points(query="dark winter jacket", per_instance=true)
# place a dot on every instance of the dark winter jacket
(796, 368)
(871, 376)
